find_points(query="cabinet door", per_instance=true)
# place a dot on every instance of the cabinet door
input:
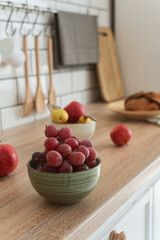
(137, 223)
(156, 211)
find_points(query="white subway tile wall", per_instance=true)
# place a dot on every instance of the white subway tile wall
(13, 116)
(84, 80)
(78, 84)
(62, 83)
(80, 2)
(8, 93)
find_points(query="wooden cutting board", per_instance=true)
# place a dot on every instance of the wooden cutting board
(108, 70)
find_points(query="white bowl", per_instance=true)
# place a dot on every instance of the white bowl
(80, 130)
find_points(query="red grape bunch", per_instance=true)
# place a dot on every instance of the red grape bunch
(64, 153)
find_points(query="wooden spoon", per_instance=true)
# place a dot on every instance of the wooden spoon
(28, 104)
(51, 93)
(39, 98)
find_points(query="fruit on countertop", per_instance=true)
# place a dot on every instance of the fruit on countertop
(8, 159)
(51, 131)
(59, 115)
(64, 153)
(75, 110)
(84, 119)
(120, 135)
(87, 143)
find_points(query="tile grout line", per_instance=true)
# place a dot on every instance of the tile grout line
(60, 95)
(90, 68)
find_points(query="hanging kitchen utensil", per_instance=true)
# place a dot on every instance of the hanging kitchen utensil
(39, 98)
(108, 70)
(28, 104)
(51, 92)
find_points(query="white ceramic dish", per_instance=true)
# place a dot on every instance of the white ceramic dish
(80, 130)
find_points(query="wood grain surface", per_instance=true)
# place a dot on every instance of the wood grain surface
(25, 215)
(108, 69)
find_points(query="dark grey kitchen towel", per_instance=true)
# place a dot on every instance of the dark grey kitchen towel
(77, 39)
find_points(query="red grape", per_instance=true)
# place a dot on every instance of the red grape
(91, 164)
(60, 140)
(76, 139)
(87, 143)
(65, 167)
(65, 133)
(72, 142)
(64, 149)
(54, 159)
(83, 149)
(38, 158)
(51, 143)
(92, 154)
(76, 158)
(48, 168)
(45, 151)
(40, 168)
(51, 131)
(80, 168)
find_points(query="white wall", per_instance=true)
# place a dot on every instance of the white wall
(74, 84)
(138, 44)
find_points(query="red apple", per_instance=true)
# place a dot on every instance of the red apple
(8, 159)
(120, 134)
(75, 110)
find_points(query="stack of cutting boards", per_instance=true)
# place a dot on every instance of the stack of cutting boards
(108, 70)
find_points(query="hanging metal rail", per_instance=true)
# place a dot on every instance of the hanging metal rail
(17, 7)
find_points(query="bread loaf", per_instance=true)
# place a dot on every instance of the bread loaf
(143, 101)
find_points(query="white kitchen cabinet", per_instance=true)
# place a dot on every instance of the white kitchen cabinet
(137, 223)
(156, 211)
(139, 217)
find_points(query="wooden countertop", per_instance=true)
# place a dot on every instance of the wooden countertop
(26, 215)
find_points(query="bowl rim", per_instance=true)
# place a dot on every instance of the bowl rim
(73, 124)
(61, 174)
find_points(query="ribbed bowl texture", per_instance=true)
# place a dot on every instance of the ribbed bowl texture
(64, 188)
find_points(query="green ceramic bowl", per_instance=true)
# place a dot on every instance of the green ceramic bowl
(64, 188)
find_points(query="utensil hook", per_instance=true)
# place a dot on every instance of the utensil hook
(46, 28)
(22, 24)
(9, 20)
(34, 24)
